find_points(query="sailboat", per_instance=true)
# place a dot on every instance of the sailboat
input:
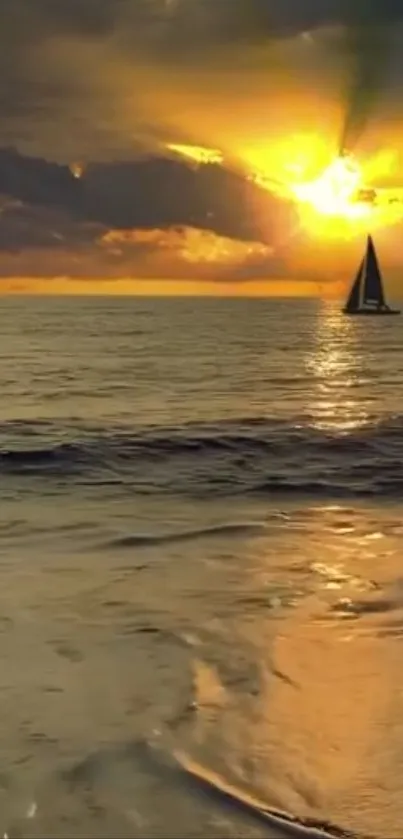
(367, 296)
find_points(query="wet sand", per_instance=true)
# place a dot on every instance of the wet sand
(268, 657)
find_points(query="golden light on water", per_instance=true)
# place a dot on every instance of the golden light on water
(336, 367)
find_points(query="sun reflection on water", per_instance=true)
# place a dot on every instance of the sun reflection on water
(336, 365)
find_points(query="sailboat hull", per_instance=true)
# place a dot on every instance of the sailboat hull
(373, 312)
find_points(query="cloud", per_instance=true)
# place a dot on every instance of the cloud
(151, 218)
(151, 192)
(161, 22)
(24, 227)
(183, 253)
(169, 254)
(110, 78)
(120, 220)
(35, 180)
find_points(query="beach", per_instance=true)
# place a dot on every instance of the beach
(200, 542)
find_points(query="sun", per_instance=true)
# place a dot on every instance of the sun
(335, 193)
(340, 203)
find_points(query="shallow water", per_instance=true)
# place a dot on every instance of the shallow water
(200, 547)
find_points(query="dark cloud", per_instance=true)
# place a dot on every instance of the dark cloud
(25, 227)
(369, 45)
(82, 76)
(121, 220)
(34, 180)
(154, 192)
(162, 21)
(159, 192)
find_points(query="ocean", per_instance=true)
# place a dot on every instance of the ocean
(201, 541)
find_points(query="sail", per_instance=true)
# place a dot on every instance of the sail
(353, 302)
(367, 296)
(373, 288)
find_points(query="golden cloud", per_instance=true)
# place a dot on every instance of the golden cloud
(192, 246)
(177, 253)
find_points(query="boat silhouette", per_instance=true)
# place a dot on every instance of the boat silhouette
(367, 296)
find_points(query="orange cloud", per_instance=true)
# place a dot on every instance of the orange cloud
(184, 248)
(176, 253)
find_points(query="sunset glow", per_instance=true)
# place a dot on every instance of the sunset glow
(339, 202)
(146, 287)
(199, 154)
(335, 198)
(334, 192)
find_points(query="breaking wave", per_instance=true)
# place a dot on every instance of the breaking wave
(246, 456)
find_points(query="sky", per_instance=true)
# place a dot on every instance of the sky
(105, 103)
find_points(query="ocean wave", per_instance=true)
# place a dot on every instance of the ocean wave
(144, 540)
(245, 456)
(183, 776)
